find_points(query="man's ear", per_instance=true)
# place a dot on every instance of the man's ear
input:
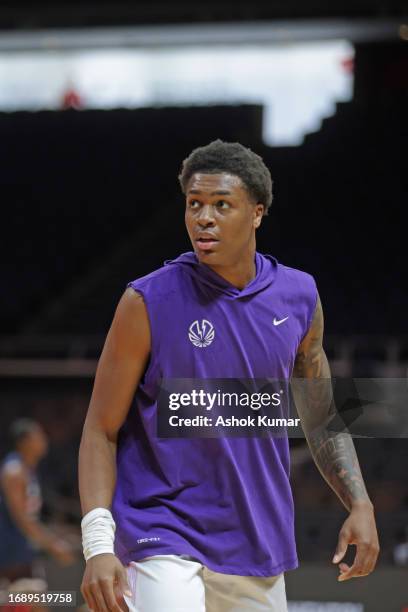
(258, 214)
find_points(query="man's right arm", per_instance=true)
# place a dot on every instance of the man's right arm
(120, 368)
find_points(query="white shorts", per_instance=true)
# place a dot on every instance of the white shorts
(178, 583)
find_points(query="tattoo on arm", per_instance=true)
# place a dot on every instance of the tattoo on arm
(333, 452)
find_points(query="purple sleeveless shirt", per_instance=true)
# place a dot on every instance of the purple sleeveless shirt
(225, 501)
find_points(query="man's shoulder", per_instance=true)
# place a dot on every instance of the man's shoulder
(12, 465)
(158, 281)
(300, 290)
(300, 277)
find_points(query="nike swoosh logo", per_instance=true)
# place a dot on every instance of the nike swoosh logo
(276, 322)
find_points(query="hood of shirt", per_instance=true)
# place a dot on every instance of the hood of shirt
(266, 269)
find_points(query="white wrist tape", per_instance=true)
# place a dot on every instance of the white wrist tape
(98, 532)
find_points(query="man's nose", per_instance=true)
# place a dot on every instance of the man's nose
(206, 216)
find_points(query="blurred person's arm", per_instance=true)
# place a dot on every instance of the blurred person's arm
(14, 486)
(120, 368)
(333, 453)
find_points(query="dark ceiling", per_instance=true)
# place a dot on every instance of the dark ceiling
(21, 14)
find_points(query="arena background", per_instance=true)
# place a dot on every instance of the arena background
(90, 200)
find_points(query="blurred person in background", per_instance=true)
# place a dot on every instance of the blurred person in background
(22, 534)
(71, 99)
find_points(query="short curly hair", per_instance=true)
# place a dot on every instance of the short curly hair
(232, 158)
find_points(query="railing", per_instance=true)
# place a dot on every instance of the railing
(50, 355)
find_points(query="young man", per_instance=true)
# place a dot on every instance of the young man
(207, 524)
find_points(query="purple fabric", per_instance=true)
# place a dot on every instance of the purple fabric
(225, 501)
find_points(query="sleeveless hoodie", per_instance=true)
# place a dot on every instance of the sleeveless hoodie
(227, 502)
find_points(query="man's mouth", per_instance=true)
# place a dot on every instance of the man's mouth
(206, 244)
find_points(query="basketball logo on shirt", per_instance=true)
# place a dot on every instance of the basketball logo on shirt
(201, 335)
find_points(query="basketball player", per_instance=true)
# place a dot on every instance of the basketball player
(207, 524)
(22, 534)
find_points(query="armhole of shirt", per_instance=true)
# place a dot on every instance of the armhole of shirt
(153, 347)
(313, 310)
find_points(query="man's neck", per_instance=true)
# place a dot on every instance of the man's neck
(28, 459)
(239, 274)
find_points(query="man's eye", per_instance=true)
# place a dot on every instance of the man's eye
(194, 204)
(222, 204)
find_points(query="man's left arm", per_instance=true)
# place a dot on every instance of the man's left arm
(333, 452)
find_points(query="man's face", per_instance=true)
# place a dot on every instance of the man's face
(36, 442)
(221, 218)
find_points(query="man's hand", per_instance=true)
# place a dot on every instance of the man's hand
(104, 584)
(358, 529)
